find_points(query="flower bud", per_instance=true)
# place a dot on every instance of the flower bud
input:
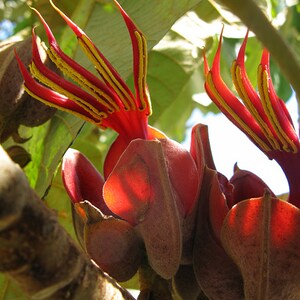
(246, 185)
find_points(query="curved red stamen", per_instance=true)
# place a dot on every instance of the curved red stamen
(281, 115)
(229, 104)
(60, 81)
(48, 95)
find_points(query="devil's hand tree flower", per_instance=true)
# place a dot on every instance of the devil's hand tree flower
(151, 182)
(248, 240)
(262, 116)
(106, 103)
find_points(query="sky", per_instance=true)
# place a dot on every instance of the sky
(6, 29)
(229, 145)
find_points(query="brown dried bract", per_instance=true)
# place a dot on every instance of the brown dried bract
(16, 106)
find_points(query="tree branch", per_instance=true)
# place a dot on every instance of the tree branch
(38, 253)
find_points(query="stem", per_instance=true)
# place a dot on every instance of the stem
(37, 252)
(290, 164)
(152, 286)
(252, 16)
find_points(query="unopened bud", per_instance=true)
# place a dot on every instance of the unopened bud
(246, 185)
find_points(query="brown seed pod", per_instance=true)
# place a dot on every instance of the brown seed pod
(16, 106)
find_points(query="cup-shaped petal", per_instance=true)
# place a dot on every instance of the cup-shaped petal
(82, 180)
(113, 244)
(183, 174)
(139, 190)
(127, 191)
(115, 247)
(261, 235)
(215, 271)
(200, 148)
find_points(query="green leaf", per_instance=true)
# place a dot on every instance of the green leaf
(281, 85)
(47, 146)
(108, 31)
(59, 201)
(9, 290)
(171, 78)
(207, 11)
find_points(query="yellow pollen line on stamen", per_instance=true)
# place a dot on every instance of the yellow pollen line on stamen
(236, 77)
(230, 111)
(89, 108)
(142, 46)
(101, 67)
(81, 80)
(60, 107)
(263, 86)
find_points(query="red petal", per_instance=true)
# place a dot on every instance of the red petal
(218, 207)
(183, 174)
(278, 115)
(215, 271)
(82, 181)
(115, 247)
(102, 65)
(262, 237)
(122, 141)
(50, 97)
(247, 185)
(140, 57)
(79, 95)
(200, 147)
(127, 191)
(139, 190)
(230, 105)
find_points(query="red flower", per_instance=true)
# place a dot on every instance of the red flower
(247, 241)
(151, 182)
(262, 117)
(108, 102)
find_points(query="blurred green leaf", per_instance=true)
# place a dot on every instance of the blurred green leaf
(47, 145)
(172, 65)
(207, 11)
(281, 85)
(107, 29)
(59, 201)
(9, 290)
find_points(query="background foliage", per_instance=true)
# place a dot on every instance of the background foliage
(177, 32)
